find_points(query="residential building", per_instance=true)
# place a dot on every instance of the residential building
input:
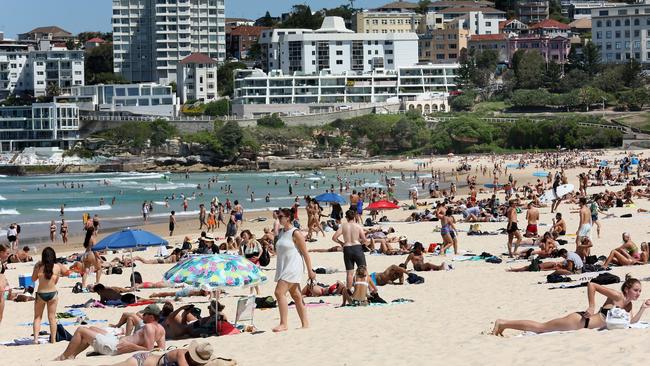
(335, 48)
(436, 6)
(33, 71)
(495, 42)
(197, 78)
(579, 9)
(552, 49)
(622, 33)
(150, 37)
(532, 11)
(513, 27)
(444, 45)
(551, 28)
(581, 26)
(50, 33)
(486, 15)
(38, 125)
(257, 93)
(238, 22)
(386, 22)
(93, 42)
(430, 22)
(144, 99)
(398, 6)
(240, 39)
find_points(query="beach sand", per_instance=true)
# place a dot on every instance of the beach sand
(448, 322)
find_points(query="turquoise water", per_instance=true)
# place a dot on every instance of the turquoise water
(35, 200)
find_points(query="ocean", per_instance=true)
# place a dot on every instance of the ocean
(33, 201)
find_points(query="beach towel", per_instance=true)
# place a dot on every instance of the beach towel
(314, 304)
(25, 341)
(66, 323)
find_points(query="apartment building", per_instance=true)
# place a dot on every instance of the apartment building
(150, 37)
(436, 6)
(622, 33)
(532, 11)
(197, 78)
(386, 22)
(579, 9)
(444, 45)
(494, 42)
(552, 49)
(240, 39)
(31, 72)
(258, 93)
(335, 48)
(145, 99)
(38, 125)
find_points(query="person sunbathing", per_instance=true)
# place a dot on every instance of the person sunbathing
(174, 257)
(135, 321)
(390, 275)
(547, 246)
(559, 225)
(626, 255)
(572, 264)
(179, 322)
(588, 319)
(315, 289)
(362, 287)
(196, 354)
(333, 249)
(184, 292)
(20, 256)
(417, 258)
(150, 336)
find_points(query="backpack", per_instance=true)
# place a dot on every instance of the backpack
(265, 258)
(265, 302)
(556, 278)
(606, 279)
(116, 270)
(368, 222)
(414, 279)
(62, 334)
(374, 298)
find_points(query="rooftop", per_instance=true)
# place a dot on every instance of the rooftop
(50, 29)
(198, 58)
(247, 30)
(488, 37)
(399, 5)
(463, 9)
(333, 25)
(96, 40)
(582, 23)
(550, 24)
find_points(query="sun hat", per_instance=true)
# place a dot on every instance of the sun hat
(151, 309)
(200, 353)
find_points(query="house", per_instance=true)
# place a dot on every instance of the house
(197, 78)
(93, 42)
(513, 27)
(50, 33)
(551, 28)
(496, 42)
(240, 39)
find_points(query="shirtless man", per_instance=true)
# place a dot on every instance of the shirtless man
(353, 236)
(532, 216)
(354, 199)
(512, 228)
(584, 228)
(389, 276)
(559, 225)
(150, 335)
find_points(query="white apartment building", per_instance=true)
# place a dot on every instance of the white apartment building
(579, 9)
(197, 78)
(144, 99)
(150, 37)
(33, 71)
(622, 32)
(38, 125)
(479, 22)
(258, 93)
(335, 48)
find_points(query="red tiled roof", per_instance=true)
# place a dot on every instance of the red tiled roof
(50, 29)
(488, 37)
(95, 40)
(247, 30)
(198, 58)
(550, 24)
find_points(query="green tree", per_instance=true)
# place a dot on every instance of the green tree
(552, 76)
(487, 59)
(463, 102)
(272, 121)
(423, 6)
(226, 77)
(530, 70)
(217, 108)
(631, 74)
(466, 69)
(265, 21)
(634, 99)
(302, 17)
(230, 136)
(52, 90)
(530, 98)
(254, 52)
(591, 59)
(161, 131)
(344, 11)
(107, 78)
(99, 60)
(173, 85)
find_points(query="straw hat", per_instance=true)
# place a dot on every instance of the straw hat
(200, 353)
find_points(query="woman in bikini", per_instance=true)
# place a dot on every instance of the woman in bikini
(47, 273)
(315, 289)
(448, 232)
(389, 276)
(625, 255)
(64, 231)
(90, 259)
(417, 258)
(589, 319)
(362, 286)
(195, 355)
(52, 231)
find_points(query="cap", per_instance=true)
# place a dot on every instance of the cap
(200, 353)
(401, 238)
(151, 309)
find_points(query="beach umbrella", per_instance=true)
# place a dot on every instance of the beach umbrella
(604, 163)
(372, 185)
(330, 197)
(382, 205)
(129, 239)
(216, 271)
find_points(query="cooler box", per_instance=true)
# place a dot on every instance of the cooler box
(25, 281)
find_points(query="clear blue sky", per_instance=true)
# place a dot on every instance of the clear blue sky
(19, 16)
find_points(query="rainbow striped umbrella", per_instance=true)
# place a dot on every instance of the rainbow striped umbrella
(216, 271)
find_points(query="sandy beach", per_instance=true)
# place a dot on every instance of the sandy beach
(447, 322)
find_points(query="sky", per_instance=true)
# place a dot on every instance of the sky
(20, 16)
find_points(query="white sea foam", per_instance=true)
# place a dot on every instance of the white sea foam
(9, 211)
(2, 198)
(169, 186)
(77, 209)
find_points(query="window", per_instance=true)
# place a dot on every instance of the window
(339, 52)
(603, 13)
(608, 34)
(627, 22)
(339, 43)
(617, 34)
(440, 56)
(618, 45)
(389, 61)
(617, 23)
(599, 35)
(599, 23)
(339, 62)
(637, 21)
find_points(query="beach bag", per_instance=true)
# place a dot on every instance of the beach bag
(414, 279)
(128, 299)
(556, 278)
(606, 279)
(62, 334)
(617, 318)
(116, 270)
(267, 302)
(432, 247)
(374, 298)
(265, 258)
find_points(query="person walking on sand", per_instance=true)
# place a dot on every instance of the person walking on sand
(145, 211)
(202, 214)
(64, 231)
(172, 222)
(584, 228)
(532, 217)
(47, 273)
(512, 228)
(291, 252)
(52, 231)
(353, 235)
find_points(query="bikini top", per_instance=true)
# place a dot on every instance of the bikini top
(362, 283)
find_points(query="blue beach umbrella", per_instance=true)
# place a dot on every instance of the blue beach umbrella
(129, 239)
(604, 163)
(330, 197)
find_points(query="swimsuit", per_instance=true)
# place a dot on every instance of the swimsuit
(353, 254)
(512, 228)
(140, 357)
(164, 361)
(585, 230)
(47, 296)
(373, 277)
(603, 311)
(532, 228)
